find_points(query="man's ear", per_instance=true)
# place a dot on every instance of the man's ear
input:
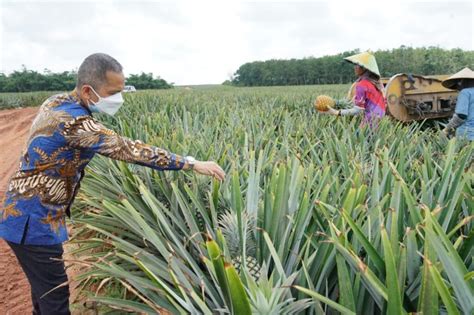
(86, 92)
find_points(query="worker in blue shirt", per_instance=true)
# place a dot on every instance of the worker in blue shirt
(462, 121)
(64, 137)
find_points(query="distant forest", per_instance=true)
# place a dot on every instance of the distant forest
(323, 70)
(333, 69)
(28, 80)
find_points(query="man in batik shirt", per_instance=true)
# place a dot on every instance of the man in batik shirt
(63, 139)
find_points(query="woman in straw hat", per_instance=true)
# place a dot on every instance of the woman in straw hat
(368, 99)
(463, 119)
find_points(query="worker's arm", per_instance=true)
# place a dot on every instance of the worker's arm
(460, 113)
(455, 121)
(86, 133)
(353, 111)
(359, 102)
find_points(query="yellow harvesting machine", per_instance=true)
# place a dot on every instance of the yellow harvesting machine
(415, 97)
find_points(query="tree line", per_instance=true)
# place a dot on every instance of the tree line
(334, 70)
(28, 81)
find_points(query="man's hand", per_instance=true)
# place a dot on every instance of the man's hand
(330, 111)
(209, 168)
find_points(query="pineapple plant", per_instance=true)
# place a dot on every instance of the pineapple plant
(229, 226)
(357, 227)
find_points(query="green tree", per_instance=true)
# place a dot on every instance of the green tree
(332, 69)
(26, 80)
(147, 81)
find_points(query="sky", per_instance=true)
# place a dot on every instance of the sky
(205, 42)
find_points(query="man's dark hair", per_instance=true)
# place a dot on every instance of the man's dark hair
(94, 68)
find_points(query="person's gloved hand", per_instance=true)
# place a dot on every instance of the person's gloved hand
(447, 133)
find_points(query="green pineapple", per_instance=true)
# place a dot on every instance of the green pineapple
(229, 225)
(200, 187)
(200, 222)
(252, 265)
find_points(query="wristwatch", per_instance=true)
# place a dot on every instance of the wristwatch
(191, 161)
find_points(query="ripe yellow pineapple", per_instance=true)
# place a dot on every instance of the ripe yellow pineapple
(323, 102)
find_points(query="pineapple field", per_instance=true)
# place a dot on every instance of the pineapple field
(317, 215)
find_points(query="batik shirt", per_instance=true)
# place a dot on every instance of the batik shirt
(370, 98)
(63, 139)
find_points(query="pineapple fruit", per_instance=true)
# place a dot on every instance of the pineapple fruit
(251, 263)
(228, 224)
(323, 102)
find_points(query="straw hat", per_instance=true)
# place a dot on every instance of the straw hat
(465, 73)
(365, 60)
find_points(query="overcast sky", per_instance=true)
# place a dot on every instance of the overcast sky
(198, 42)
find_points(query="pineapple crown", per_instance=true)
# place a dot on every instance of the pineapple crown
(230, 229)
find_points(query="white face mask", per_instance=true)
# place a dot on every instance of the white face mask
(109, 105)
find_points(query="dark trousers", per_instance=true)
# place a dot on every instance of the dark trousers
(44, 274)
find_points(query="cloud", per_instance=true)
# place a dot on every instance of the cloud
(196, 42)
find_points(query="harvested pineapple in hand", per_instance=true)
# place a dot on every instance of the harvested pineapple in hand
(324, 102)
